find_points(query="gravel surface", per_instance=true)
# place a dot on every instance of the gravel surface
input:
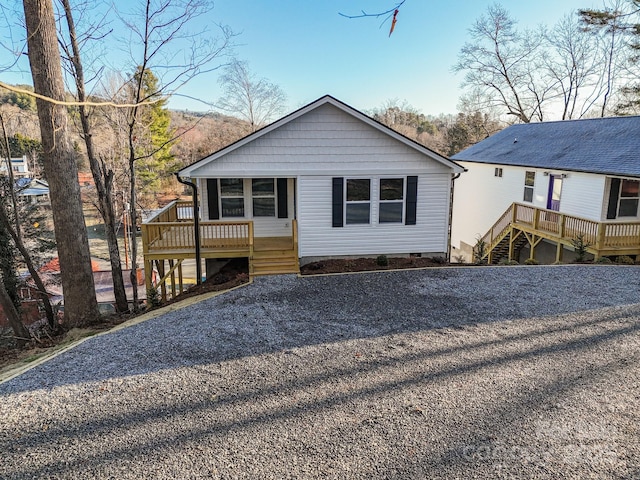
(497, 372)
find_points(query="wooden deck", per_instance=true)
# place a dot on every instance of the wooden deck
(169, 237)
(523, 224)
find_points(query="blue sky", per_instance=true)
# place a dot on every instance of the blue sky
(308, 49)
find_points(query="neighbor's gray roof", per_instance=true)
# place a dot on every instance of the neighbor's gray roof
(600, 145)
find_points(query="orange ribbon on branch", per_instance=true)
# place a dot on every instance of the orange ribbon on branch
(393, 22)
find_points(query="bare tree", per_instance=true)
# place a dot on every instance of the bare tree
(102, 175)
(256, 100)
(572, 64)
(59, 164)
(153, 31)
(502, 63)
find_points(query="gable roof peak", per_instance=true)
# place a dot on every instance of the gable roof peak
(326, 99)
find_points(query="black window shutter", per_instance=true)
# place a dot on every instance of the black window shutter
(614, 193)
(282, 198)
(212, 198)
(337, 212)
(412, 201)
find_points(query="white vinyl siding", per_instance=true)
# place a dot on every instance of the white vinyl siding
(318, 238)
(324, 141)
(480, 197)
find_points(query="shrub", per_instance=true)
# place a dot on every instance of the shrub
(153, 298)
(513, 262)
(580, 246)
(625, 260)
(604, 260)
(382, 260)
(479, 251)
(439, 260)
(531, 261)
(459, 258)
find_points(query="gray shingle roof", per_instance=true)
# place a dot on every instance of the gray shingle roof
(601, 145)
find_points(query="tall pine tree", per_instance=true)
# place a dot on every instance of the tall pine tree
(155, 161)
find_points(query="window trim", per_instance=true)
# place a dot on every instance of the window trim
(263, 195)
(356, 202)
(402, 201)
(621, 198)
(527, 187)
(222, 196)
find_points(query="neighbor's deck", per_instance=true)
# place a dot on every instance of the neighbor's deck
(527, 224)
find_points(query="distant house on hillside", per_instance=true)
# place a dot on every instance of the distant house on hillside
(567, 178)
(19, 167)
(32, 190)
(324, 181)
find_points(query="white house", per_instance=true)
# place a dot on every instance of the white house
(19, 167)
(32, 190)
(353, 186)
(589, 169)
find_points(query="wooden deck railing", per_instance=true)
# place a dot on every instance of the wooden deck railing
(172, 228)
(176, 211)
(160, 236)
(600, 236)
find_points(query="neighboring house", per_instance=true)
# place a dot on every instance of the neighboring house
(332, 179)
(31, 309)
(32, 190)
(19, 167)
(587, 170)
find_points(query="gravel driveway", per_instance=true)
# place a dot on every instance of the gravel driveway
(496, 372)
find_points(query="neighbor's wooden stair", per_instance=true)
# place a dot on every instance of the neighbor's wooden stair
(501, 250)
(274, 262)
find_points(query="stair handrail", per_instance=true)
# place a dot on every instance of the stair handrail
(498, 229)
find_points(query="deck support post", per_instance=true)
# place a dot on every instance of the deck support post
(148, 276)
(600, 239)
(510, 254)
(163, 285)
(173, 279)
(559, 250)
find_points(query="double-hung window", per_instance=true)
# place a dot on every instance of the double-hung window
(391, 200)
(264, 197)
(232, 197)
(629, 196)
(529, 183)
(358, 204)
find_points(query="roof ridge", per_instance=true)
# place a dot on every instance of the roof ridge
(575, 120)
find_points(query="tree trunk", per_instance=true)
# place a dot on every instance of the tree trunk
(20, 331)
(60, 167)
(133, 227)
(102, 178)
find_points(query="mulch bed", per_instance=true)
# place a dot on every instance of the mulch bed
(369, 264)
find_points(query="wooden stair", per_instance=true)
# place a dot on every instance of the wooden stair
(274, 258)
(501, 250)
